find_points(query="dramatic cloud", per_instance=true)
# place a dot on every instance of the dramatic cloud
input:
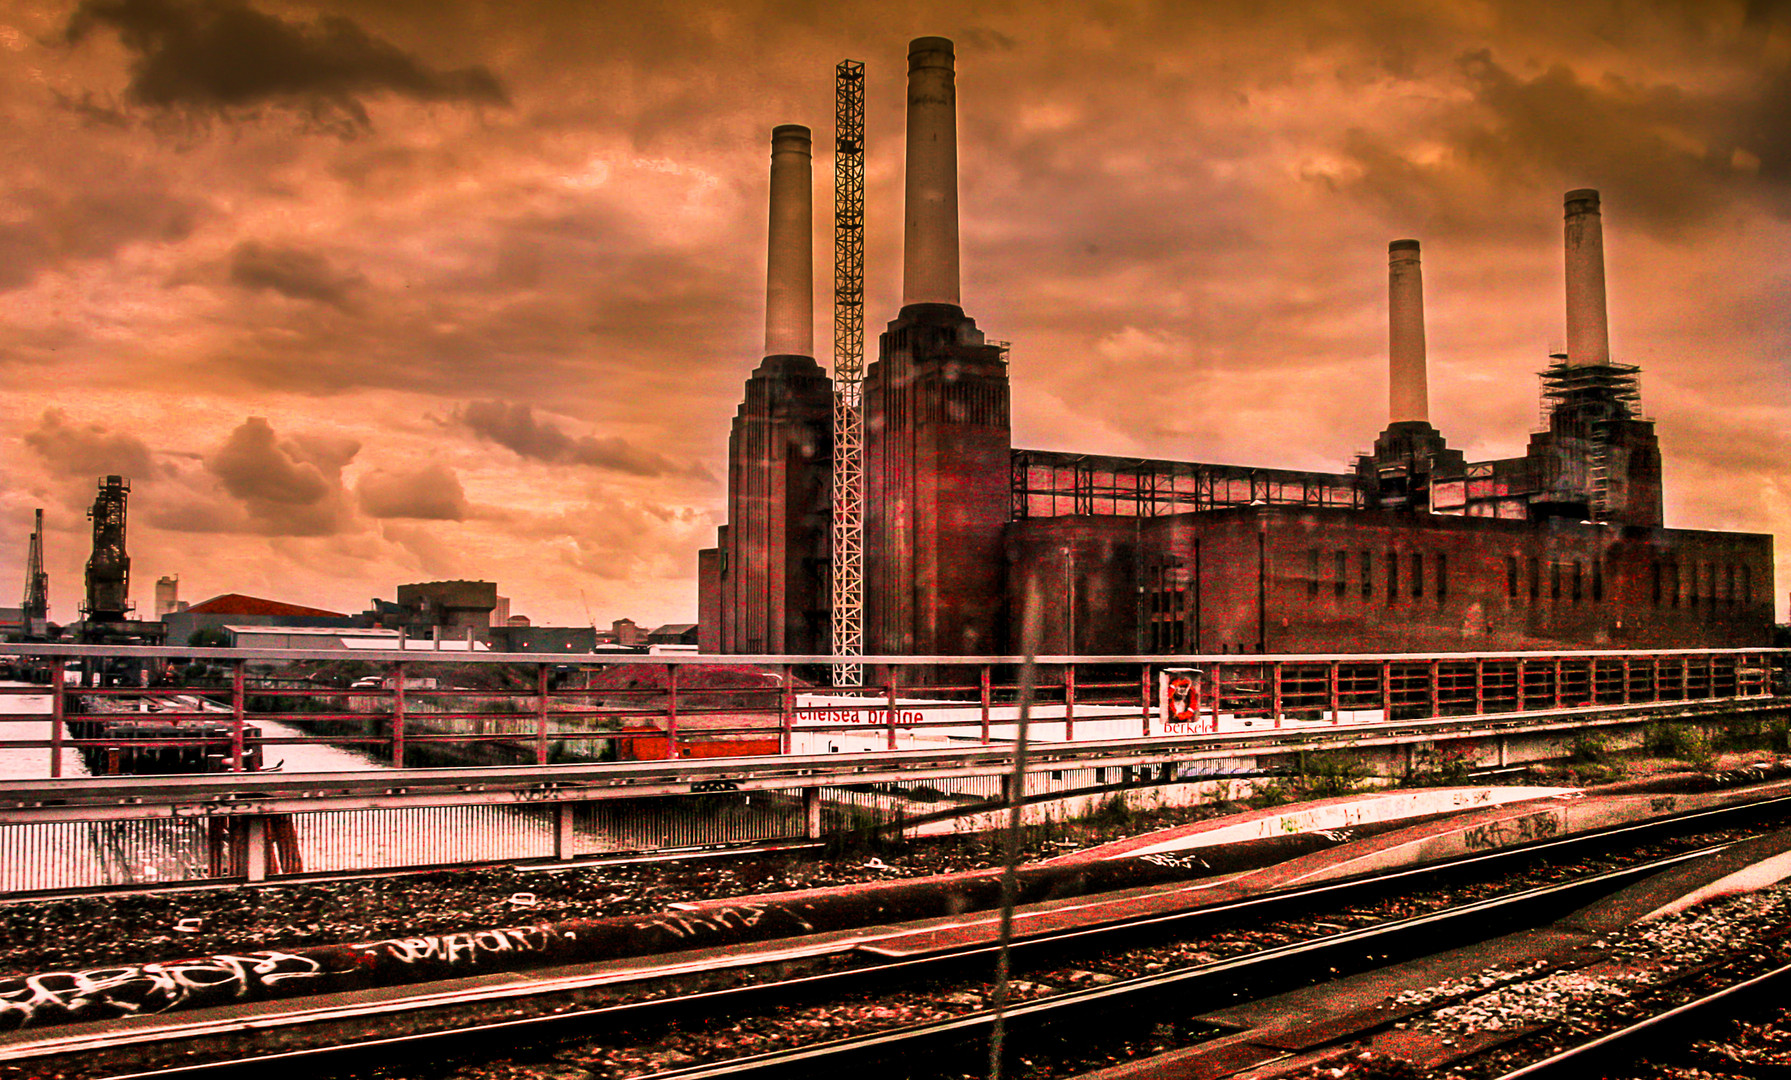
(46, 226)
(291, 272)
(431, 493)
(289, 486)
(87, 450)
(514, 427)
(218, 55)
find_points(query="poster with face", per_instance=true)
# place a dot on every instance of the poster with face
(1179, 694)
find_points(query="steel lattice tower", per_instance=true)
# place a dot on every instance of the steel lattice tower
(37, 585)
(848, 371)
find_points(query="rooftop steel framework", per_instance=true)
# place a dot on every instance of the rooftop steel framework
(1049, 483)
(848, 371)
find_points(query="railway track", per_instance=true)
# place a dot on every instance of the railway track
(1122, 1007)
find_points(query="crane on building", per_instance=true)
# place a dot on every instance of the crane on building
(36, 606)
(848, 372)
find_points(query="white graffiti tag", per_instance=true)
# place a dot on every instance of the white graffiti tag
(460, 948)
(145, 988)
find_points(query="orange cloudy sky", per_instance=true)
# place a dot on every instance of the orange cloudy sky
(371, 292)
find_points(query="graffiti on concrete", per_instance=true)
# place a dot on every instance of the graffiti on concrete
(463, 948)
(680, 924)
(1511, 831)
(130, 989)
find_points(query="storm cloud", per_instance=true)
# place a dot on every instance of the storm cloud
(214, 56)
(513, 426)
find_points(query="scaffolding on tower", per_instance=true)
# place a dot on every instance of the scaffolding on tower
(848, 372)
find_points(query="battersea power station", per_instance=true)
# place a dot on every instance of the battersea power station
(1412, 548)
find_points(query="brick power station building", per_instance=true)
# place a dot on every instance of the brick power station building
(1413, 549)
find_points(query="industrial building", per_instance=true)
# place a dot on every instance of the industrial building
(1409, 548)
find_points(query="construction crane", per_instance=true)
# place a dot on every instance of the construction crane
(36, 607)
(108, 568)
(848, 372)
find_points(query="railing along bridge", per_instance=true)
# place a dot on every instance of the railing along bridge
(132, 765)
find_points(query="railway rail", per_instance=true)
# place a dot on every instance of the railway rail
(1130, 999)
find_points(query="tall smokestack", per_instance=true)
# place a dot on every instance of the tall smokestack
(930, 237)
(1588, 333)
(789, 261)
(1408, 392)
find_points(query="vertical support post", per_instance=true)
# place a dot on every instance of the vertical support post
(786, 701)
(540, 714)
(1218, 692)
(1144, 702)
(1275, 692)
(1626, 680)
(563, 850)
(58, 719)
(1654, 675)
(811, 813)
(1557, 682)
(237, 673)
(1684, 677)
(1479, 687)
(1069, 703)
(892, 706)
(1386, 691)
(1331, 676)
(1521, 704)
(671, 713)
(1436, 694)
(1503, 755)
(255, 857)
(398, 715)
(983, 686)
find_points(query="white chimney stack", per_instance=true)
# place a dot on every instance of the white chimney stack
(1408, 390)
(790, 261)
(930, 237)
(1588, 333)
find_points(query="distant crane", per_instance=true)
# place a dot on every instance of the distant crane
(37, 585)
(848, 371)
(108, 568)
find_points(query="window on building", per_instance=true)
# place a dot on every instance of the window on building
(1511, 577)
(1578, 571)
(1554, 581)
(1342, 573)
(1535, 578)
(1181, 635)
(1598, 581)
(1673, 584)
(1392, 577)
(1312, 574)
(1656, 589)
(1367, 568)
(1729, 589)
(1417, 575)
(1442, 579)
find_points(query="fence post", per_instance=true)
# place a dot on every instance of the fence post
(892, 706)
(237, 671)
(1069, 702)
(1626, 680)
(540, 714)
(1521, 705)
(562, 832)
(58, 720)
(1275, 676)
(1144, 702)
(983, 682)
(1479, 687)
(1436, 698)
(1557, 683)
(398, 714)
(1332, 675)
(1386, 691)
(255, 857)
(787, 705)
(671, 713)
(811, 813)
(1218, 692)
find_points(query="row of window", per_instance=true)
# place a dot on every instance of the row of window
(1567, 579)
(1409, 569)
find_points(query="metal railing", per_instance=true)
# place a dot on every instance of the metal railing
(608, 754)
